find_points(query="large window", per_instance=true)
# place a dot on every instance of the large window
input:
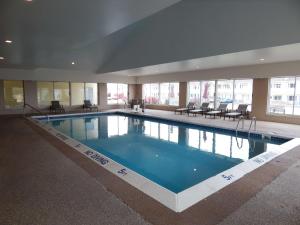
(91, 92)
(117, 93)
(233, 92)
(44, 93)
(77, 93)
(284, 95)
(13, 94)
(242, 93)
(62, 92)
(225, 92)
(169, 94)
(201, 91)
(84, 91)
(151, 93)
(164, 93)
(49, 91)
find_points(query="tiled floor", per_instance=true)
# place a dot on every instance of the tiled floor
(43, 182)
(276, 129)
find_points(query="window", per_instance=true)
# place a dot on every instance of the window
(151, 93)
(233, 92)
(194, 92)
(169, 94)
(297, 97)
(292, 85)
(277, 98)
(225, 92)
(164, 93)
(62, 92)
(277, 85)
(201, 91)
(117, 93)
(13, 94)
(242, 93)
(77, 93)
(91, 92)
(208, 92)
(282, 96)
(45, 93)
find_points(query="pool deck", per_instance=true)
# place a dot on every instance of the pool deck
(271, 128)
(44, 181)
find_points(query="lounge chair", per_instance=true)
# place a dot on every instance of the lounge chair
(189, 107)
(56, 107)
(219, 111)
(87, 105)
(240, 111)
(203, 109)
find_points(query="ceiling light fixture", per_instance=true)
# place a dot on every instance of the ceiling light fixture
(73, 63)
(1, 58)
(8, 41)
(28, 0)
(262, 59)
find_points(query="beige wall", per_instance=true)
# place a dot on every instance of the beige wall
(250, 71)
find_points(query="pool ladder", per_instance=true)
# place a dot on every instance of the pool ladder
(252, 123)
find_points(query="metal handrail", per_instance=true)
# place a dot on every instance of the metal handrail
(254, 128)
(35, 109)
(238, 123)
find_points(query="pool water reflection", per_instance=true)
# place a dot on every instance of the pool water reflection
(176, 156)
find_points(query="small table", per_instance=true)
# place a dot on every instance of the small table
(213, 113)
(233, 115)
(194, 112)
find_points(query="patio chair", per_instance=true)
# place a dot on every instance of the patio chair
(203, 109)
(87, 105)
(56, 107)
(219, 111)
(189, 107)
(240, 111)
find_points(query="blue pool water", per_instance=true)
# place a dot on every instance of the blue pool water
(175, 155)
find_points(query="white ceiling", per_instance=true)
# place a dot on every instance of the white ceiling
(283, 53)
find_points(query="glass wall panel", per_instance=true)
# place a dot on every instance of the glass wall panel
(225, 92)
(174, 94)
(242, 93)
(112, 93)
(208, 92)
(194, 92)
(281, 95)
(77, 93)
(297, 98)
(122, 93)
(151, 93)
(13, 94)
(62, 92)
(164, 93)
(44, 93)
(117, 93)
(91, 92)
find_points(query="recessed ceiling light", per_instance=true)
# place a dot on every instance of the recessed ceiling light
(28, 0)
(73, 63)
(1, 58)
(8, 41)
(262, 59)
